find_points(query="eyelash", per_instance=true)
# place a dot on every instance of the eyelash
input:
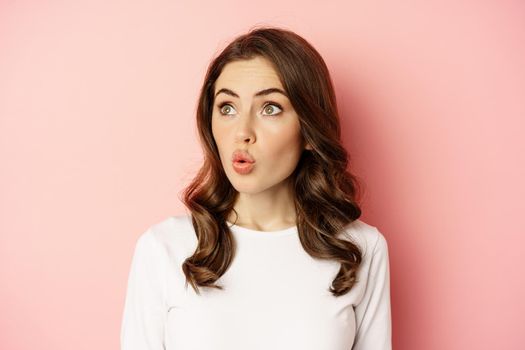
(265, 105)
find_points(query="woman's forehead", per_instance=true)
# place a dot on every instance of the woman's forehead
(252, 74)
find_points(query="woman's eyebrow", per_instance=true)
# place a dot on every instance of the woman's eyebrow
(260, 93)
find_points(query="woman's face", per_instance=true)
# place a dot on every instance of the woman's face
(263, 124)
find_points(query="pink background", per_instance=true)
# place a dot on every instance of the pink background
(97, 139)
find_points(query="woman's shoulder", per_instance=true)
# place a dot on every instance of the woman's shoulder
(174, 233)
(368, 237)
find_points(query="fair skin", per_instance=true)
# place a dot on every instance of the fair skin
(267, 127)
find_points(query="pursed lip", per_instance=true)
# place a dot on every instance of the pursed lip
(239, 155)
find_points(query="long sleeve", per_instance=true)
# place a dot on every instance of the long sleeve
(144, 314)
(373, 314)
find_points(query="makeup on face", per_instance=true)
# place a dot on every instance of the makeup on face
(255, 126)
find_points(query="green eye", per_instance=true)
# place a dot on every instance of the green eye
(269, 108)
(225, 109)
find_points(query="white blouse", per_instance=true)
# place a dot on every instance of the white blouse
(275, 295)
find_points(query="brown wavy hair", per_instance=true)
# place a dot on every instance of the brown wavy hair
(325, 192)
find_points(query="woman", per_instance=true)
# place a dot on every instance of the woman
(272, 255)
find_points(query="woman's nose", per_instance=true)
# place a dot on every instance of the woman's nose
(245, 127)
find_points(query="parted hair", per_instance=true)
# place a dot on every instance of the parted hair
(326, 192)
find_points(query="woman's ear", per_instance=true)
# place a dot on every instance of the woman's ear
(308, 147)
